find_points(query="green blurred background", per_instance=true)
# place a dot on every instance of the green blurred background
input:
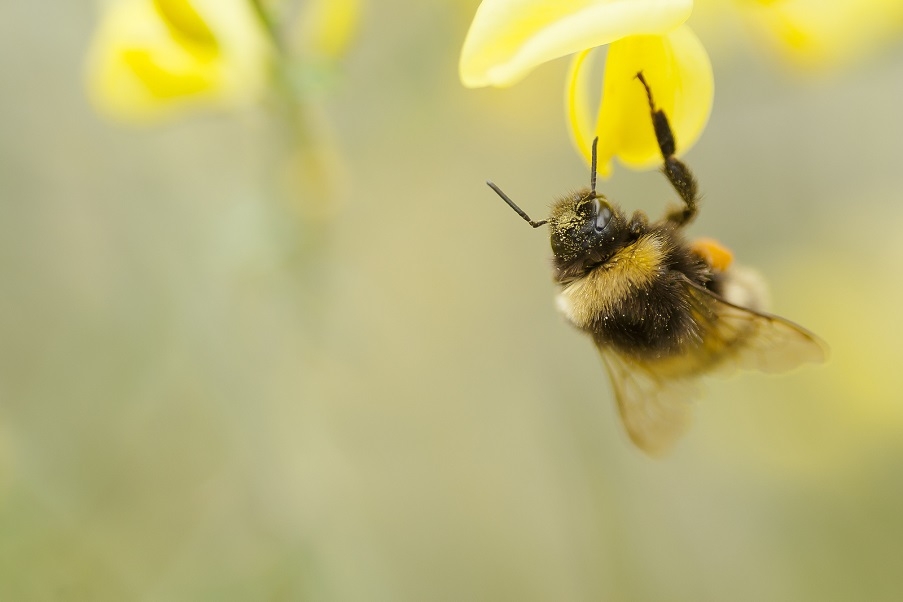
(203, 398)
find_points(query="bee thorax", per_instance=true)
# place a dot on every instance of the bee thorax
(626, 275)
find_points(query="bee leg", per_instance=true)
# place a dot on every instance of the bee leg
(639, 223)
(674, 169)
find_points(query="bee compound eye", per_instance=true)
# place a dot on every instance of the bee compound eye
(603, 216)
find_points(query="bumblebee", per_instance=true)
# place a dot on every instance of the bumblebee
(662, 311)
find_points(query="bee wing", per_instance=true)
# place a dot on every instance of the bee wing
(653, 397)
(737, 337)
(655, 410)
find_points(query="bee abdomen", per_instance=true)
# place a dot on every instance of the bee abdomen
(653, 322)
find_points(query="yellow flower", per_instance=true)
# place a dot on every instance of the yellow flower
(508, 38)
(151, 59)
(816, 34)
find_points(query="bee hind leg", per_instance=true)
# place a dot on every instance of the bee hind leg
(674, 169)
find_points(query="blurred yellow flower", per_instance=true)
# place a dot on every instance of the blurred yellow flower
(808, 35)
(326, 27)
(817, 34)
(508, 38)
(153, 58)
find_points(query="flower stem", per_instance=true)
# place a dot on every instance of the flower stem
(268, 25)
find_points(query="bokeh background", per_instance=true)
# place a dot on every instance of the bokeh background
(207, 394)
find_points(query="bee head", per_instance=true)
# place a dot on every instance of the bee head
(585, 230)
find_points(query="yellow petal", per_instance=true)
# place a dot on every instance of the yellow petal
(163, 79)
(154, 58)
(183, 20)
(577, 107)
(679, 73)
(508, 38)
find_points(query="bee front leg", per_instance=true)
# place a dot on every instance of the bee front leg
(674, 169)
(639, 223)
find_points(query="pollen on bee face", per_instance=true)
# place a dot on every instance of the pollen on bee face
(564, 209)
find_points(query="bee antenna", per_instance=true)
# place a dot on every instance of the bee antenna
(514, 206)
(592, 173)
(639, 75)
